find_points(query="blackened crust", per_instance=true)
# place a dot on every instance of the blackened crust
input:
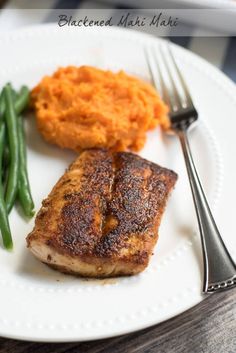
(110, 207)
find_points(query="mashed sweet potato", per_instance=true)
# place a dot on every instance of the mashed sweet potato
(85, 107)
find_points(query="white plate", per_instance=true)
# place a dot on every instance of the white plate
(38, 303)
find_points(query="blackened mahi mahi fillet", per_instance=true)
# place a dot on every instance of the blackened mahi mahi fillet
(102, 217)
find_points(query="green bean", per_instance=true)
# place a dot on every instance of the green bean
(6, 156)
(5, 162)
(24, 193)
(4, 224)
(14, 95)
(22, 99)
(11, 124)
(2, 105)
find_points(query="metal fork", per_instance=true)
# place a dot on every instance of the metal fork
(219, 268)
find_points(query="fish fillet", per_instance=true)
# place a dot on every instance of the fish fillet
(101, 219)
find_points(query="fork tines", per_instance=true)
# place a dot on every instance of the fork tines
(169, 81)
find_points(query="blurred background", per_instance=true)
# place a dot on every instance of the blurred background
(212, 37)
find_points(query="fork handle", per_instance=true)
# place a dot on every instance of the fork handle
(219, 268)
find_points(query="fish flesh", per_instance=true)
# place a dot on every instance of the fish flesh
(101, 219)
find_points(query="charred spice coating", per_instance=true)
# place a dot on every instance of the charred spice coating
(104, 213)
